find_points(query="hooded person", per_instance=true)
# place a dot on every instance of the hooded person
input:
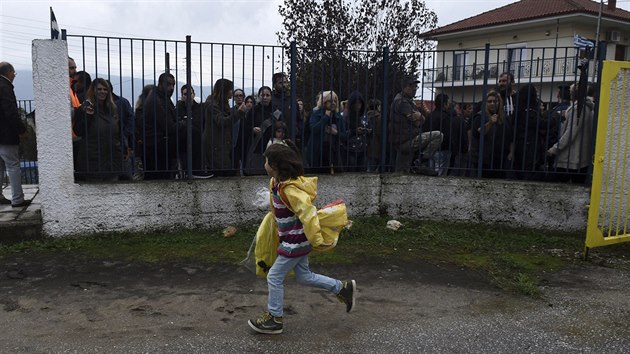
(354, 149)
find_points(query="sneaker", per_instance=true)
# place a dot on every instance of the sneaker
(267, 324)
(5, 201)
(347, 294)
(21, 205)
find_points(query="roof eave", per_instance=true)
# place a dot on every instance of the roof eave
(484, 28)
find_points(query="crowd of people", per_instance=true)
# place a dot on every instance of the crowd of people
(510, 134)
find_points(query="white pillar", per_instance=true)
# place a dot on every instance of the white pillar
(54, 139)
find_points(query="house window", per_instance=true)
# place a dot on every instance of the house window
(459, 66)
(620, 52)
(518, 57)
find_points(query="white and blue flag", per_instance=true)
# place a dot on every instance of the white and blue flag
(581, 42)
(54, 28)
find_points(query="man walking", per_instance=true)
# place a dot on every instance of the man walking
(11, 130)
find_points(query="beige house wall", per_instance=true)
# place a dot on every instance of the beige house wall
(540, 38)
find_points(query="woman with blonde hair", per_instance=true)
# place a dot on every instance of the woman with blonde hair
(498, 145)
(100, 156)
(327, 127)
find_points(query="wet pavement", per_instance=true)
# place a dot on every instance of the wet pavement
(62, 303)
(25, 223)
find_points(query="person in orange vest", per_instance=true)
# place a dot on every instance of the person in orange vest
(74, 100)
(75, 104)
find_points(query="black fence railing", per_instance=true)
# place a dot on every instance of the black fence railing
(542, 64)
(343, 108)
(28, 145)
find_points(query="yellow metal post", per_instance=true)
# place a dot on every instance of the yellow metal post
(609, 209)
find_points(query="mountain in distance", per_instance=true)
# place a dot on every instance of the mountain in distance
(24, 87)
(23, 83)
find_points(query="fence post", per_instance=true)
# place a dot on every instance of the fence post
(293, 59)
(188, 109)
(599, 62)
(486, 74)
(384, 110)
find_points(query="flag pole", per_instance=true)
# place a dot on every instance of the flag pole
(599, 21)
(54, 27)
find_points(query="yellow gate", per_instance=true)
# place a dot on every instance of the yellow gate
(609, 210)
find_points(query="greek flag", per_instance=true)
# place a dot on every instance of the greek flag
(581, 42)
(54, 28)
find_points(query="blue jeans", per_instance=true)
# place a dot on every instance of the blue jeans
(441, 161)
(10, 161)
(303, 275)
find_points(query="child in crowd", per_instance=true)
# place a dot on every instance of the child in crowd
(299, 232)
(279, 133)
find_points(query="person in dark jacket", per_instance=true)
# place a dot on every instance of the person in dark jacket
(161, 130)
(527, 151)
(451, 127)
(237, 138)
(11, 130)
(507, 91)
(81, 84)
(101, 150)
(281, 108)
(354, 148)
(257, 131)
(127, 121)
(219, 121)
(140, 133)
(406, 138)
(494, 128)
(374, 145)
(197, 120)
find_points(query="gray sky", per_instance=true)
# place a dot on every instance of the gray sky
(233, 21)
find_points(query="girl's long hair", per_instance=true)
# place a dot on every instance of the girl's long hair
(221, 89)
(528, 98)
(146, 91)
(110, 106)
(286, 159)
(500, 110)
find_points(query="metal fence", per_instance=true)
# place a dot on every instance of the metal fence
(28, 146)
(171, 136)
(609, 210)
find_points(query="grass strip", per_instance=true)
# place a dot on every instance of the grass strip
(513, 258)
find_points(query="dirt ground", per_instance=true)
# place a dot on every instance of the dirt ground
(64, 304)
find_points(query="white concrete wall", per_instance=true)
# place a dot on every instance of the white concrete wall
(78, 209)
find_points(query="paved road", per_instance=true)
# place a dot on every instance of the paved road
(77, 306)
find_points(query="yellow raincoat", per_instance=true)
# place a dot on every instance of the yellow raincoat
(321, 227)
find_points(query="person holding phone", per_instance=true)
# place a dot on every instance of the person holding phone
(497, 149)
(100, 151)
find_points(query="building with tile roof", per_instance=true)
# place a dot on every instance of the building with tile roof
(532, 39)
